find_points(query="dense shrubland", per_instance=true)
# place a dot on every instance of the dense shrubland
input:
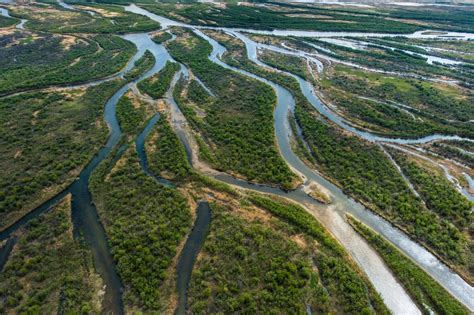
(145, 222)
(34, 60)
(7, 21)
(363, 171)
(161, 37)
(288, 63)
(237, 126)
(438, 192)
(49, 271)
(397, 106)
(131, 113)
(428, 294)
(252, 262)
(107, 19)
(444, 101)
(142, 65)
(157, 85)
(240, 16)
(166, 155)
(45, 140)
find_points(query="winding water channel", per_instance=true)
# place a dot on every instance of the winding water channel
(189, 254)
(87, 224)
(85, 219)
(333, 216)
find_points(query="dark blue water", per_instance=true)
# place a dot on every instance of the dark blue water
(189, 254)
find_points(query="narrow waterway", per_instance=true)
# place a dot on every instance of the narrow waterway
(310, 94)
(333, 216)
(86, 223)
(4, 12)
(189, 254)
(392, 292)
(425, 34)
(449, 279)
(6, 250)
(362, 45)
(140, 147)
(306, 87)
(84, 214)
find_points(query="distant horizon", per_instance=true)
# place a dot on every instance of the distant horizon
(374, 2)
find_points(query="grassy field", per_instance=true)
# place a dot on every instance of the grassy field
(46, 138)
(49, 271)
(37, 60)
(238, 127)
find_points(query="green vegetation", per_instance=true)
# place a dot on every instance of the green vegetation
(142, 65)
(438, 192)
(236, 56)
(145, 222)
(7, 21)
(426, 107)
(37, 60)
(298, 217)
(292, 64)
(252, 262)
(457, 50)
(425, 47)
(237, 126)
(443, 18)
(362, 170)
(108, 19)
(451, 151)
(49, 271)
(428, 293)
(380, 117)
(166, 155)
(277, 16)
(45, 140)
(161, 37)
(131, 113)
(197, 93)
(394, 60)
(157, 85)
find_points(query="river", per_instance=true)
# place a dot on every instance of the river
(190, 252)
(86, 221)
(333, 216)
